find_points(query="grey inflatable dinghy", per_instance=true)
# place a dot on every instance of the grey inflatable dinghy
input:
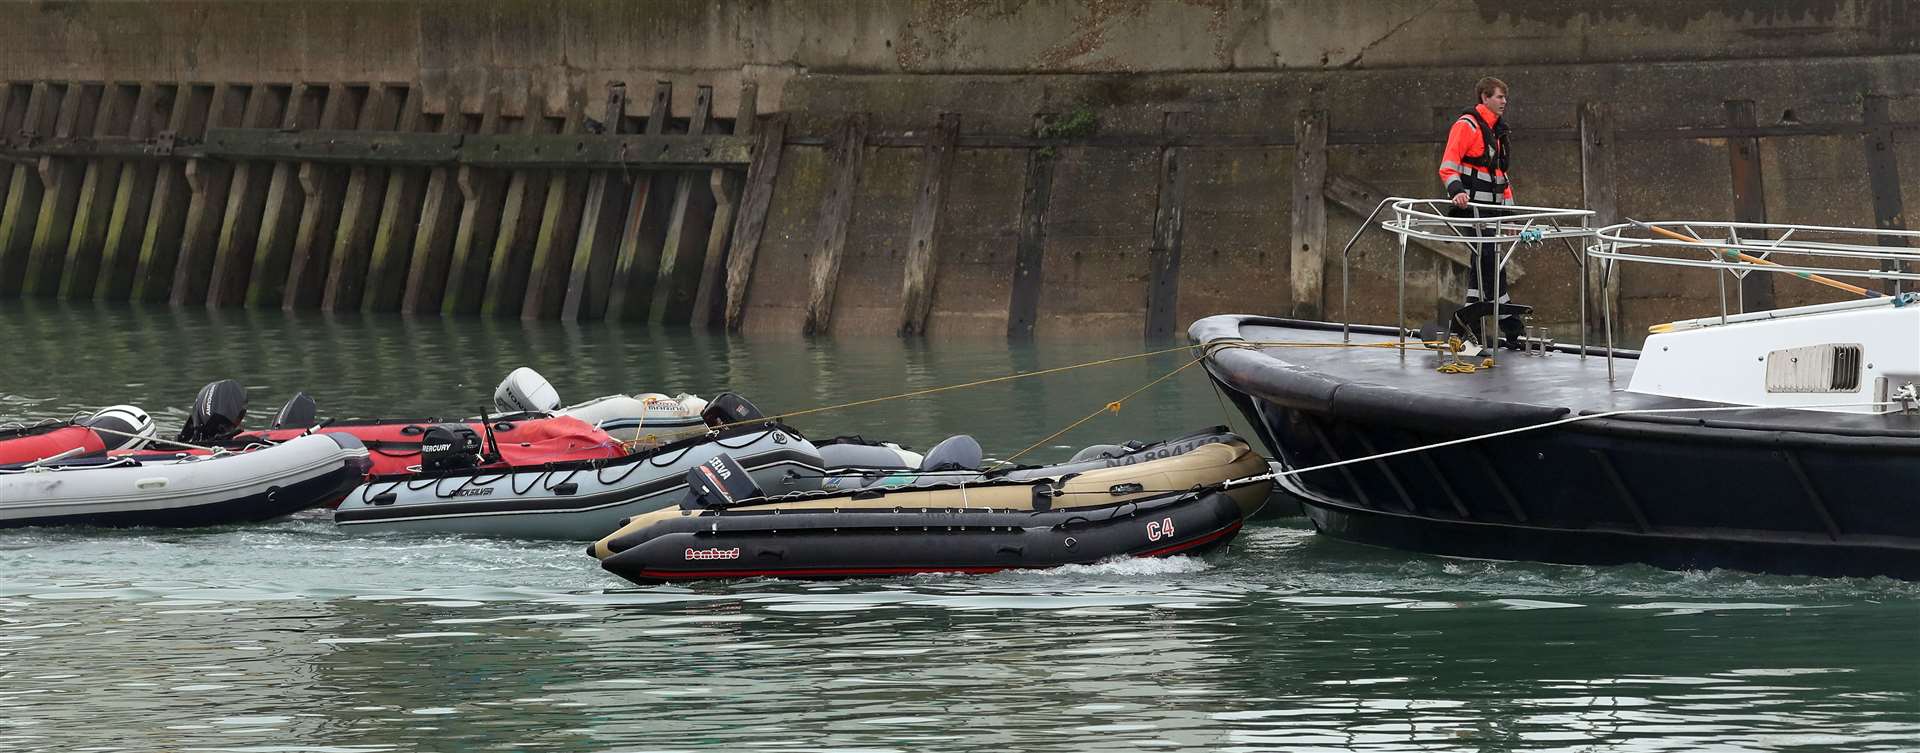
(580, 500)
(183, 490)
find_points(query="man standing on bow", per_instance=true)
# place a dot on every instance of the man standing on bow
(1474, 171)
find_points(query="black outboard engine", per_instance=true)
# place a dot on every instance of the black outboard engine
(729, 408)
(719, 482)
(217, 414)
(450, 446)
(300, 411)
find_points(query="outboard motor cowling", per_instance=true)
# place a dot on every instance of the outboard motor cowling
(956, 453)
(719, 482)
(218, 412)
(524, 390)
(121, 427)
(729, 408)
(300, 411)
(450, 446)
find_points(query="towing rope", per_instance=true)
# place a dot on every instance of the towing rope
(1230, 483)
(1085, 364)
(1112, 407)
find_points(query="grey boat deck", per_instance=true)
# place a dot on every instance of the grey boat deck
(1559, 380)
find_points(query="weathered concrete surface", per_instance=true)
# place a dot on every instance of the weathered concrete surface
(1391, 73)
(977, 243)
(1099, 222)
(777, 292)
(581, 43)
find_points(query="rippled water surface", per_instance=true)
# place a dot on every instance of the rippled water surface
(294, 637)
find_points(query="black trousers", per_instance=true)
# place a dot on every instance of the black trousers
(1486, 272)
(1485, 264)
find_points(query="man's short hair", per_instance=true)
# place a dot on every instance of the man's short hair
(1487, 87)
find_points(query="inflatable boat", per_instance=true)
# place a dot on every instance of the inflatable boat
(647, 418)
(182, 490)
(951, 520)
(400, 446)
(532, 427)
(121, 427)
(577, 500)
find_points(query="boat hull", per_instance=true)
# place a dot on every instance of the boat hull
(251, 487)
(829, 545)
(1673, 491)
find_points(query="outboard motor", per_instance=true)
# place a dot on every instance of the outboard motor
(300, 411)
(449, 446)
(525, 391)
(956, 453)
(729, 408)
(217, 413)
(121, 427)
(719, 482)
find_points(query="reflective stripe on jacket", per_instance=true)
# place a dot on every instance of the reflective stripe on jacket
(1476, 158)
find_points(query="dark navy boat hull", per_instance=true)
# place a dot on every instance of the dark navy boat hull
(843, 544)
(1823, 498)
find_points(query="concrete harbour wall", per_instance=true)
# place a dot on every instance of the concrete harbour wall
(952, 168)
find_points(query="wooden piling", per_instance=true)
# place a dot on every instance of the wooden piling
(1023, 301)
(286, 199)
(923, 253)
(25, 190)
(1883, 179)
(755, 198)
(208, 180)
(1308, 254)
(836, 214)
(247, 200)
(60, 180)
(637, 262)
(389, 105)
(1163, 256)
(589, 276)
(687, 227)
(1749, 196)
(1598, 193)
(132, 197)
(559, 228)
(322, 187)
(392, 253)
(439, 223)
(161, 240)
(521, 208)
(482, 192)
(13, 113)
(93, 209)
(710, 295)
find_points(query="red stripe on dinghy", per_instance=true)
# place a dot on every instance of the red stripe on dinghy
(1177, 548)
(689, 574)
(692, 574)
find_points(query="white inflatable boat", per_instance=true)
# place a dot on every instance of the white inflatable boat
(183, 490)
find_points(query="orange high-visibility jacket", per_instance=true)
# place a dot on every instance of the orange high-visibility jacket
(1476, 158)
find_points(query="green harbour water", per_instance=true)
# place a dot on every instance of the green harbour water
(293, 637)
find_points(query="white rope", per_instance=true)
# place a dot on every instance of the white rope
(116, 432)
(1549, 424)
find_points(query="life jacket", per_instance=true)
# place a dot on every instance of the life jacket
(1485, 176)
